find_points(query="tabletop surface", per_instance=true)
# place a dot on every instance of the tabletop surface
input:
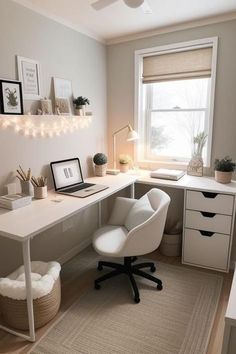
(41, 214)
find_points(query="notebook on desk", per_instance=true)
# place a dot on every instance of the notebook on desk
(164, 173)
(68, 179)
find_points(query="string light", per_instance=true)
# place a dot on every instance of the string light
(44, 126)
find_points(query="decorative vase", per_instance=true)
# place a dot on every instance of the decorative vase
(223, 177)
(100, 170)
(195, 166)
(80, 110)
(124, 167)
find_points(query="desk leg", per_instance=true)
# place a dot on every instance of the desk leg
(27, 265)
(132, 191)
(99, 214)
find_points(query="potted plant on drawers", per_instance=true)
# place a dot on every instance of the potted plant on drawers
(224, 169)
(100, 161)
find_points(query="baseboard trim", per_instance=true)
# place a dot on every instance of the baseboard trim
(74, 251)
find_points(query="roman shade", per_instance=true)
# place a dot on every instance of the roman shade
(187, 64)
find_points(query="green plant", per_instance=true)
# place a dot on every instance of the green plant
(80, 101)
(100, 159)
(225, 165)
(199, 141)
(124, 159)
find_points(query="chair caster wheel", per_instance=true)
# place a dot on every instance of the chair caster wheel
(137, 300)
(97, 286)
(100, 267)
(159, 287)
(153, 269)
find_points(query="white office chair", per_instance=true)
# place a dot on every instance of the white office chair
(134, 228)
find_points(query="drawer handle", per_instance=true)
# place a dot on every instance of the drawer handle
(209, 195)
(206, 233)
(207, 214)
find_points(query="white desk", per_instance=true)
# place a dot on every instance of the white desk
(25, 223)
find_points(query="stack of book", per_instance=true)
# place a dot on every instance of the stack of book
(174, 175)
(14, 201)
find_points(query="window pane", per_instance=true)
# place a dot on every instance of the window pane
(171, 133)
(185, 94)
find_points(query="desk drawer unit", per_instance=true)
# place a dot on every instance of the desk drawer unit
(208, 229)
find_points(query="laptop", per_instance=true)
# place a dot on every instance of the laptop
(68, 179)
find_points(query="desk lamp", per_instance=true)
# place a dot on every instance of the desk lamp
(131, 136)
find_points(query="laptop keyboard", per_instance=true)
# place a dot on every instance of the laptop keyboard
(77, 188)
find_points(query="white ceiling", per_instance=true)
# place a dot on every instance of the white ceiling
(118, 20)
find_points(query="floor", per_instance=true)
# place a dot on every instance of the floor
(76, 284)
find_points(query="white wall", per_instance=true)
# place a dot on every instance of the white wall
(62, 53)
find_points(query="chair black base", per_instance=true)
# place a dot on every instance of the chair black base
(130, 270)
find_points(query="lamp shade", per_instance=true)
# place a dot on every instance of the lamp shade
(132, 135)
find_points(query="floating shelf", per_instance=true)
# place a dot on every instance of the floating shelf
(44, 126)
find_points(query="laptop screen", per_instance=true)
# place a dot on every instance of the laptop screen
(66, 173)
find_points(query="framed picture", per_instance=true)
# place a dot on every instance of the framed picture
(62, 106)
(11, 97)
(29, 75)
(63, 89)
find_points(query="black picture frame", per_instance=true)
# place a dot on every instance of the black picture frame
(11, 99)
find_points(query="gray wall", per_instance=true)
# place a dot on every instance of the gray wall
(62, 53)
(121, 87)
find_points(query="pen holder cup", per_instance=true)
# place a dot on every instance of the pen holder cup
(40, 192)
(26, 187)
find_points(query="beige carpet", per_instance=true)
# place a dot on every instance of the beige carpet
(176, 320)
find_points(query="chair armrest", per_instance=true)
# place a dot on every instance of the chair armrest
(120, 210)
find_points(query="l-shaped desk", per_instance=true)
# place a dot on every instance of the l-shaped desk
(209, 209)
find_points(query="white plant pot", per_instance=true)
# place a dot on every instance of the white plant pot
(100, 170)
(80, 111)
(124, 167)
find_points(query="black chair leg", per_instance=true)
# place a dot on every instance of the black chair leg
(149, 277)
(106, 276)
(135, 288)
(145, 265)
(102, 264)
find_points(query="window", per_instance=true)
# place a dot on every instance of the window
(175, 101)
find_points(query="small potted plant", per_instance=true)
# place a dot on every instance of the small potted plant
(224, 169)
(100, 161)
(124, 161)
(80, 103)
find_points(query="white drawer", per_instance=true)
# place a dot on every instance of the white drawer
(208, 221)
(206, 251)
(211, 202)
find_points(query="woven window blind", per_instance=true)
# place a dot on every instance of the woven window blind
(177, 66)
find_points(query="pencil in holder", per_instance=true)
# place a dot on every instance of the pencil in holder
(40, 192)
(26, 187)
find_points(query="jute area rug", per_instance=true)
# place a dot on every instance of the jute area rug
(176, 320)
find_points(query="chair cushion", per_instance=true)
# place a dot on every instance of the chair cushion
(139, 213)
(109, 240)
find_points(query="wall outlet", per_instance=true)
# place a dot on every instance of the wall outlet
(67, 224)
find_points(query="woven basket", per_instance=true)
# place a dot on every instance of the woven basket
(14, 312)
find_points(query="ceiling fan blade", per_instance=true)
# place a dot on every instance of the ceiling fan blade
(146, 8)
(101, 4)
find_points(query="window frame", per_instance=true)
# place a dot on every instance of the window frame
(141, 156)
